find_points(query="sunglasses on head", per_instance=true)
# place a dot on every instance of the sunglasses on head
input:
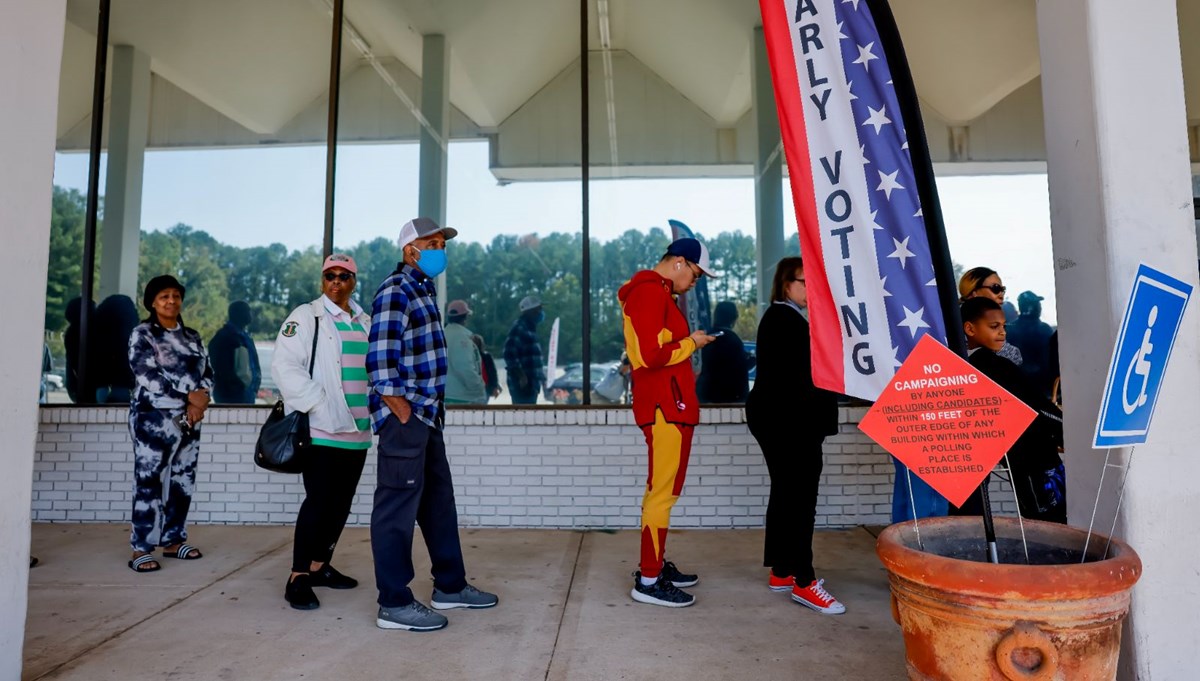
(994, 288)
(341, 276)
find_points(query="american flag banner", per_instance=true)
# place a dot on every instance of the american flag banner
(872, 286)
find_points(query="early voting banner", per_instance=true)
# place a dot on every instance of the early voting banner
(871, 233)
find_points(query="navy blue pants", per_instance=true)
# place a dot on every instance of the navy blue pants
(414, 485)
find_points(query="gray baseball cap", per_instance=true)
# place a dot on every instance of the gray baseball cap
(417, 228)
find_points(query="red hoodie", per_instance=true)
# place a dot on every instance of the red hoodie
(657, 342)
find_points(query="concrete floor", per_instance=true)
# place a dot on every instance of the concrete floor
(564, 613)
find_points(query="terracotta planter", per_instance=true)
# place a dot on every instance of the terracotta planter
(965, 619)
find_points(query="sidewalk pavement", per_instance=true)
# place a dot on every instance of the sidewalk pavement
(565, 613)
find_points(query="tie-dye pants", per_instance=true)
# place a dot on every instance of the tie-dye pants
(164, 460)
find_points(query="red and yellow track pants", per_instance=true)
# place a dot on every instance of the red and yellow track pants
(669, 446)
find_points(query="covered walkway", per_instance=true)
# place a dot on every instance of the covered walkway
(564, 612)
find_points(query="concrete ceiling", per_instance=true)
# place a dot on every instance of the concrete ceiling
(263, 63)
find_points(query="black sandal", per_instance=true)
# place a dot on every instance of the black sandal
(137, 563)
(184, 552)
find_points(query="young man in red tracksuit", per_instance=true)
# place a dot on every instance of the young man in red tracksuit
(660, 347)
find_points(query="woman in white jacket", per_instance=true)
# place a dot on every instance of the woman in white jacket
(335, 398)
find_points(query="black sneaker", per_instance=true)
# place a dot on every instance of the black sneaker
(330, 577)
(662, 592)
(299, 593)
(674, 576)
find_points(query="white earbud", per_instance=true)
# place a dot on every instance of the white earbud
(676, 265)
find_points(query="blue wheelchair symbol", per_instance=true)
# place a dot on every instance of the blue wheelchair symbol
(1144, 343)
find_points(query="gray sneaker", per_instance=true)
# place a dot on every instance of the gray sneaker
(469, 597)
(412, 617)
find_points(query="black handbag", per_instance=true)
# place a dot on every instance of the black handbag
(285, 437)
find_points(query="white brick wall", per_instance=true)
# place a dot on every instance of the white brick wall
(512, 468)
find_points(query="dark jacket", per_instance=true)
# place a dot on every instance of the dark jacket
(723, 372)
(227, 386)
(783, 388)
(523, 359)
(1036, 450)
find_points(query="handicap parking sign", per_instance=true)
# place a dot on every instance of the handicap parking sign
(1139, 362)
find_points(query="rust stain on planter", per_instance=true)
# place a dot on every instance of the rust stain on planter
(964, 619)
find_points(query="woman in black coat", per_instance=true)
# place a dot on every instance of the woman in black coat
(790, 418)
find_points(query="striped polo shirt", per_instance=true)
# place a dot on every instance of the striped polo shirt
(354, 383)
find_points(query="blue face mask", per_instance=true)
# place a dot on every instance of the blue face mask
(541, 316)
(431, 262)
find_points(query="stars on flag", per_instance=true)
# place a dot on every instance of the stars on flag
(875, 223)
(854, 2)
(888, 182)
(877, 118)
(902, 253)
(883, 287)
(865, 56)
(914, 321)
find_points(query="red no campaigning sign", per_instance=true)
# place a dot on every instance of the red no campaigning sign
(946, 421)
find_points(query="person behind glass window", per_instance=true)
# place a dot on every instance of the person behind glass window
(115, 318)
(47, 367)
(523, 353)
(491, 377)
(464, 381)
(790, 418)
(339, 420)
(724, 374)
(1029, 334)
(237, 374)
(73, 346)
(171, 393)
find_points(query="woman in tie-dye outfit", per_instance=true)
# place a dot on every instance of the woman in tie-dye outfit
(172, 381)
(334, 395)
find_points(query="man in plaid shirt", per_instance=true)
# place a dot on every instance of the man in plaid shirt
(406, 363)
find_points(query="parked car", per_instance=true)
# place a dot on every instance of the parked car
(568, 388)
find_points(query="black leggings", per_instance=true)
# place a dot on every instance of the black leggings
(330, 479)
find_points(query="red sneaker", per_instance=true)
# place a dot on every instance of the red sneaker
(816, 597)
(781, 583)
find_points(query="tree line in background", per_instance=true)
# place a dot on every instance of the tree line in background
(491, 277)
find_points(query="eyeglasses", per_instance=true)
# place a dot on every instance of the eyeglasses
(696, 271)
(342, 276)
(994, 288)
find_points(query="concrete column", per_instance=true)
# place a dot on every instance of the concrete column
(31, 43)
(128, 127)
(1120, 194)
(435, 106)
(768, 172)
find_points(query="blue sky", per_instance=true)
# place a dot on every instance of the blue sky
(249, 197)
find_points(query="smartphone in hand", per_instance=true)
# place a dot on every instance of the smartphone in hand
(717, 334)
